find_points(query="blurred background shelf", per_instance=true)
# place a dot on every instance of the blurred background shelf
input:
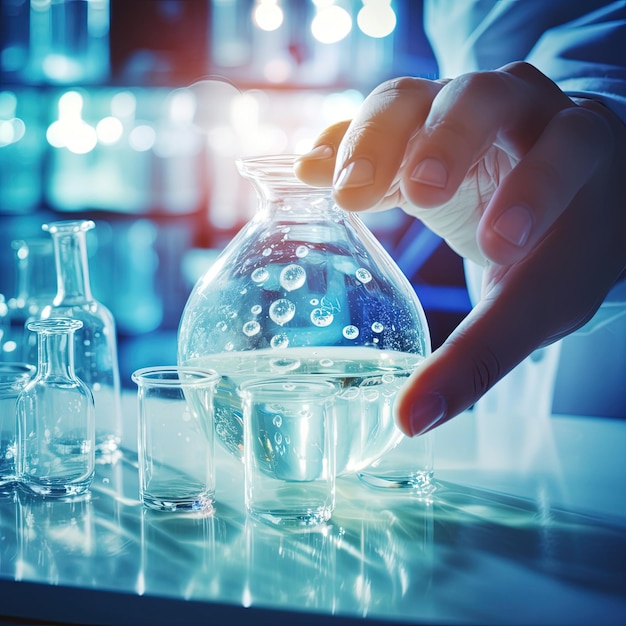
(133, 113)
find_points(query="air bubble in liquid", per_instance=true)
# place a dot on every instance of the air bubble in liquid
(377, 327)
(284, 365)
(256, 309)
(267, 252)
(282, 311)
(251, 328)
(292, 277)
(301, 251)
(322, 316)
(363, 275)
(279, 341)
(350, 332)
(259, 275)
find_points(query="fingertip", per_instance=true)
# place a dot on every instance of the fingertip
(416, 414)
(428, 183)
(316, 167)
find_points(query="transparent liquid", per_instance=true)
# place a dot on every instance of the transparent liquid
(368, 380)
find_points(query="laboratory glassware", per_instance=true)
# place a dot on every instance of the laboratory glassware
(13, 378)
(96, 360)
(175, 441)
(305, 288)
(55, 417)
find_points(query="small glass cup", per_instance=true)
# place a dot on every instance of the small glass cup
(289, 446)
(176, 437)
(13, 378)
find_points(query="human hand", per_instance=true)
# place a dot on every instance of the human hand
(516, 176)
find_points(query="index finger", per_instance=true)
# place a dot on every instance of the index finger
(370, 153)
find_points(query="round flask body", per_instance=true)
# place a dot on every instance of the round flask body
(306, 289)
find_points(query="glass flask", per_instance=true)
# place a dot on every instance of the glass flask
(35, 288)
(96, 342)
(13, 378)
(305, 288)
(55, 417)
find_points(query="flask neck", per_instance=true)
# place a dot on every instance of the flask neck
(55, 354)
(70, 252)
(279, 190)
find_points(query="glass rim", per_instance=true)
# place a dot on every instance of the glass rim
(275, 168)
(68, 226)
(304, 386)
(170, 376)
(55, 324)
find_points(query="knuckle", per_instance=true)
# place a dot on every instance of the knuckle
(485, 365)
(523, 70)
(589, 126)
(398, 86)
(487, 371)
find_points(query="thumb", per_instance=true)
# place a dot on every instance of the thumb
(507, 325)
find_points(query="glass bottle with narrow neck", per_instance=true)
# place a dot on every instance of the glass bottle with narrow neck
(305, 288)
(55, 417)
(96, 342)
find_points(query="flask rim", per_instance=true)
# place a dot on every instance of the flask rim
(274, 169)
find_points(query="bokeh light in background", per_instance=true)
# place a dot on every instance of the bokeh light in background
(268, 15)
(331, 23)
(377, 18)
(132, 113)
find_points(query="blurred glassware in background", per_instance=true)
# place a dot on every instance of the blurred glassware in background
(56, 41)
(21, 149)
(35, 288)
(305, 288)
(96, 341)
(55, 417)
(13, 378)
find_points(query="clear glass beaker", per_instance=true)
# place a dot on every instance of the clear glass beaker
(55, 417)
(96, 342)
(13, 378)
(305, 288)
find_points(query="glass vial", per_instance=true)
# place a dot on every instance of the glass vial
(96, 342)
(55, 417)
(13, 378)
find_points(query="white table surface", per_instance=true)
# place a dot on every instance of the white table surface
(514, 541)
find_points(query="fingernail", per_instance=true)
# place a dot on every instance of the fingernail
(430, 172)
(514, 225)
(359, 173)
(427, 412)
(319, 153)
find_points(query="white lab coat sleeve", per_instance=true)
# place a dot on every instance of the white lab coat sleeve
(581, 44)
(587, 56)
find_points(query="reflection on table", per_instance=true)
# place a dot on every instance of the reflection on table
(465, 554)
